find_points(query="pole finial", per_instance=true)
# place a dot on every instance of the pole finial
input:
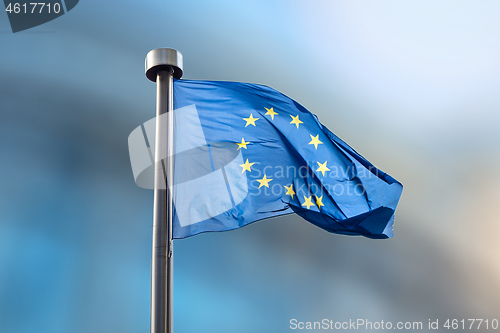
(161, 59)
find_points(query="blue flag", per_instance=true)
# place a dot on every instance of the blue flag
(245, 152)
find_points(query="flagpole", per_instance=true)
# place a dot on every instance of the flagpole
(162, 66)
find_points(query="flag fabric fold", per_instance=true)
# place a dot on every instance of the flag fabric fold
(246, 152)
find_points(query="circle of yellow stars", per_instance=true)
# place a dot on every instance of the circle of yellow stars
(315, 141)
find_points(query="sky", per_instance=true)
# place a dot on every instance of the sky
(411, 85)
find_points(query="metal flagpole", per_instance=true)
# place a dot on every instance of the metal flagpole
(162, 66)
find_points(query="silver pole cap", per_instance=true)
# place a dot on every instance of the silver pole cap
(160, 59)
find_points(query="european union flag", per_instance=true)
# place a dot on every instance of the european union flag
(245, 152)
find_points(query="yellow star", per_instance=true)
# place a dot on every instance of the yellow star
(308, 203)
(270, 112)
(264, 182)
(315, 141)
(246, 166)
(243, 144)
(289, 190)
(319, 201)
(322, 168)
(250, 120)
(296, 120)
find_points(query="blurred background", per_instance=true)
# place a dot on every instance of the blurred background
(411, 85)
